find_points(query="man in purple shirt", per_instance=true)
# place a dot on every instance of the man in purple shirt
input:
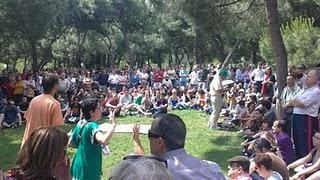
(167, 139)
(283, 141)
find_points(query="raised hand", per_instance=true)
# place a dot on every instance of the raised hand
(113, 117)
(136, 132)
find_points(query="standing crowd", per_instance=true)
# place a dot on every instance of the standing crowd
(245, 98)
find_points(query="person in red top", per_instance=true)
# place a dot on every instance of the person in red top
(157, 78)
(8, 88)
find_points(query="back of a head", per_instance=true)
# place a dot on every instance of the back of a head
(265, 160)
(88, 105)
(172, 129)
(262, 143)
(143, 168)
(49, 81)
(40, 153)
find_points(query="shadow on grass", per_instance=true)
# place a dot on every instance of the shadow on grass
(10, 142)
(221, 155)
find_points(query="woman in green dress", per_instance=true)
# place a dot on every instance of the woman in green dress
(89, 139)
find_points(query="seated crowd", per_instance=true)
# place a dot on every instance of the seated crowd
(250, 105)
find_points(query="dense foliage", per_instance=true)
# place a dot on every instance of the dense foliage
(97, 33)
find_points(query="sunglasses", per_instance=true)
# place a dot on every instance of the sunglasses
(152, 135)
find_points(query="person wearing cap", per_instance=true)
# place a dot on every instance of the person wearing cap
(167, 137)
(238, 168)
(216, 91)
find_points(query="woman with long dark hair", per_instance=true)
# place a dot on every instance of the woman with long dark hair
(268, 82)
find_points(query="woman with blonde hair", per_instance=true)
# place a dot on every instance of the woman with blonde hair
(43, 156)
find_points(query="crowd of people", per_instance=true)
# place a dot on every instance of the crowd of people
(246, 98)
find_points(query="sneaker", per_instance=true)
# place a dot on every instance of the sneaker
(6, 125)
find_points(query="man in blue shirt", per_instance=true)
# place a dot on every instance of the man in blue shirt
(10, 116)
(167, 139)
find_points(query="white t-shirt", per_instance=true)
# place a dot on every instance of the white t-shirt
(311, 99)
(144, 76)
(171, 74)
(114, 78)
(194, 78)
(125, 100)
(257, 74)
(167, 83)
(275, 176)
(241, 111)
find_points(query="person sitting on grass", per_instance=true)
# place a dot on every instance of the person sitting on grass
(10, 116)
(263, 146)
(43, 156)
(264, 167)
(174, 100)
(23, 106)
(283, 141)
(200, 100)
(126, 102)
(238, 168)
(113, 104)
(167, 137)
(89, 140)
(161, 105)
(310, 163)
(73, 114)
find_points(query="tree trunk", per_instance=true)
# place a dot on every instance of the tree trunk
(34, 56)
(254, 52)
(279, 51)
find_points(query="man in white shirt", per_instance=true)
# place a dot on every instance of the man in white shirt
(257, 77)
(126, 101)
(167, 82)
(114, 80)
(305, 112)
(194, 78)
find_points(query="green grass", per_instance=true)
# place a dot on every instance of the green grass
(201, 142)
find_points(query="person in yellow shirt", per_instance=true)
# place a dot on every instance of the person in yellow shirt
(18, 89)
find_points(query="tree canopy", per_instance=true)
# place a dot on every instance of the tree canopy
(99, 33)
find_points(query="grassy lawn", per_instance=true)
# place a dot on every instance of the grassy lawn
(216, 146)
